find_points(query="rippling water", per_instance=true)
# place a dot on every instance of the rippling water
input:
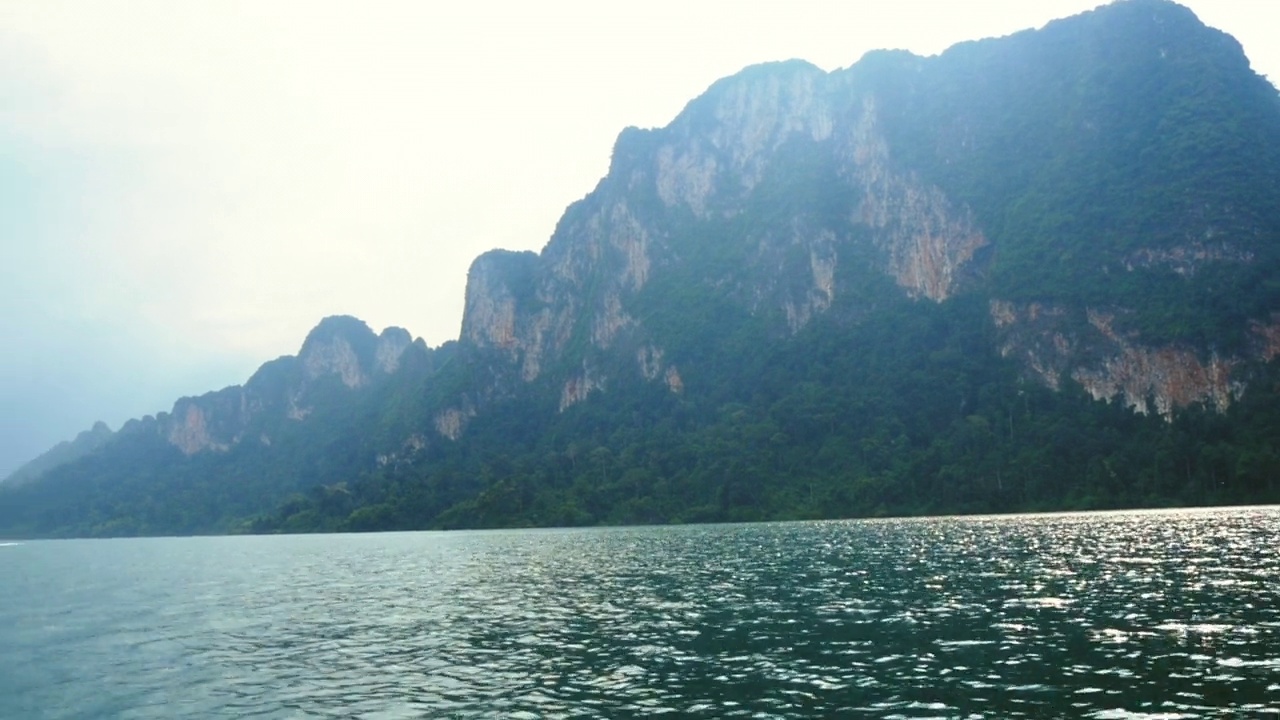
(1134, 615)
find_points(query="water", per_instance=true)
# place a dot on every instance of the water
(1135, 615)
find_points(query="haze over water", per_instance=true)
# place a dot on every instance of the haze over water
(1127, 615)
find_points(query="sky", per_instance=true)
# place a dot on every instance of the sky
(187, 188)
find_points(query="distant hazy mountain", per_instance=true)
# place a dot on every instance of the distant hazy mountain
(61, 454)
(1034, 272)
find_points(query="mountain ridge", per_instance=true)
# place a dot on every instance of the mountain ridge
(64, 452)
(929, 240)
(1084, 215)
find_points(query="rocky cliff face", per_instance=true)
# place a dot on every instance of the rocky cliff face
(799, 172)
(781, 187)
(339, 350)
(1053, 344)
(814, 274)
(707, 174)
(927, 238)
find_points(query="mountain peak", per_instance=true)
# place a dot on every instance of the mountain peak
(1020, 274)
(345, 346)
(352, 328)
(61, 454)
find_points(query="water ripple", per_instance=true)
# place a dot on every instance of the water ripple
(1126, 615)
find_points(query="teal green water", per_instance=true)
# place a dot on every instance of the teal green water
(1134, 615)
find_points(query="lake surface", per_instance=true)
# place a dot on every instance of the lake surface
(1127, 615)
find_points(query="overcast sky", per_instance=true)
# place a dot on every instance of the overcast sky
(186, 188)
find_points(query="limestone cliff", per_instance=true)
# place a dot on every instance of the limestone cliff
(706, 175)
(813, 294)
(340, 351)
(1053, 345)
(928, 239)
(781, 187)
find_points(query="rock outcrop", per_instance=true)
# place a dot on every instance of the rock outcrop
(1052, 345)
(339, 350)
(802, 278)
(703, 173)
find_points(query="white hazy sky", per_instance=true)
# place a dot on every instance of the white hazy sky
(186, 188)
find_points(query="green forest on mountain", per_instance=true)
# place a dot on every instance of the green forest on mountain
(926, 420)
(1077, 148)
(910, 412)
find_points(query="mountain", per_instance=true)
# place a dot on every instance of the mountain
(61, 454)
(229, 453)
(1033, 272)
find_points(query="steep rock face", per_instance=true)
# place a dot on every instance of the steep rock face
(1052, 345)
(760, 116)
(333, 357)
(724, 143)
(926, 237)
(339, 349)
(392, 344)
(577, 388)
(188, 426)
(529, 307)
(819, 266)
(346, 348)
(489, 314)
(1034, 334)
(817, 294)
(1171, 377)
(779, 185)
(450, 422)
(1161, 380)
(669, 191)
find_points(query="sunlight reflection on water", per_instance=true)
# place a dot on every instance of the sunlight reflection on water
(1116, 615)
